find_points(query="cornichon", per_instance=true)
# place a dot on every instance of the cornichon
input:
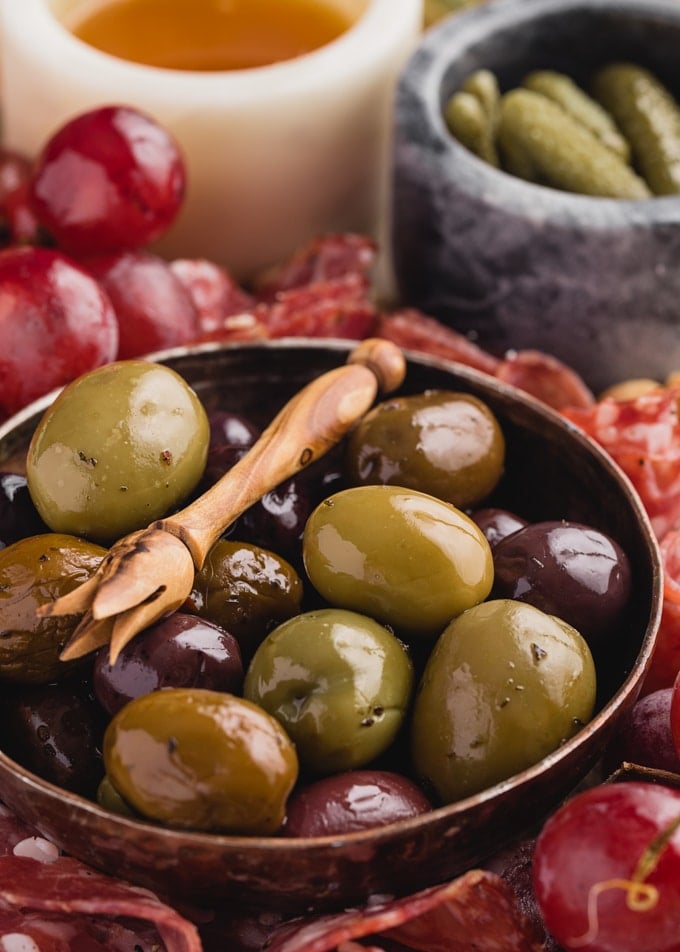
(469, 122)
(649, 117)
(566, 93)
(484, 85)
(559, 151)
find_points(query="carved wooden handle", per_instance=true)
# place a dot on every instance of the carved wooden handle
(312, 422)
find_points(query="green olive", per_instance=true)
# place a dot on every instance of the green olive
(505, 685)
(109, 798)
(202, 760)
(34, 572)
(119, 447)
(447, 444)
(340, 684)
(246, 590)
(403, 557)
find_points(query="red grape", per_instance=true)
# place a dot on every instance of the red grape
(675, 714)
(153, 307)
(56, 322)
(18, 221)
(645, 737)
(109, 179)
(607, 870)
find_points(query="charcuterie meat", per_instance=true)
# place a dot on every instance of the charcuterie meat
(53, 903)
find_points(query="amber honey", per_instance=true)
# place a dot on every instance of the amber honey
(208, 35)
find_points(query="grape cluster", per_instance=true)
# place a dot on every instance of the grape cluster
(78, 285)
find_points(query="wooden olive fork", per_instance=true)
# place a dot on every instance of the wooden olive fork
(149, 573)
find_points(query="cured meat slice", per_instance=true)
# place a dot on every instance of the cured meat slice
(325, 258)
(338, 307)
(477, 910)
(44, 905)
(22, 931)
(665, 662)
(215, 294)
(643, 436)
(546, 378)
(413, 330)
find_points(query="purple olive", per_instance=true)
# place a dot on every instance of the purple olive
(19, 518)
(231, 436)
(180, 651)
(496, 524)
(278, 520)
(56, 731)
(566, 569)
(351, 801)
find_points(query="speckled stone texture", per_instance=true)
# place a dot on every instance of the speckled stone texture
(596, 282)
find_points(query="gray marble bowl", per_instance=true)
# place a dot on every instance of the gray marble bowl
(596, 282)
(552, 471)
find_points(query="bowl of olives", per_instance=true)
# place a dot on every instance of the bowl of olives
(535, 182)
(371, 687)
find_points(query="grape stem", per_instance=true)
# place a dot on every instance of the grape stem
(640, 895)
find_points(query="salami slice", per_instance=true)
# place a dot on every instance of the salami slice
(665, 662)
(439, 919)
(413, 330)
(325, 258)
(338, 307)
(44, 905)
(643, 436)
(546, 378)
(215, 294)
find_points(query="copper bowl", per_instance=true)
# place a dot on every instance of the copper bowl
(553, 471)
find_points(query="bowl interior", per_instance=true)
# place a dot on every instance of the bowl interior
(552, 472)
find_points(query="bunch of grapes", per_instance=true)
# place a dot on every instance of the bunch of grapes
(79, 286)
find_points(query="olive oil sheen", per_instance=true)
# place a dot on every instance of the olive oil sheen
(209, 35)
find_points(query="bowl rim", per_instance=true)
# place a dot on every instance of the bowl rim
(375, 29)
(419, 89)
(625, 694)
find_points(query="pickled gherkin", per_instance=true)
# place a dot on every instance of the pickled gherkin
(484, 85)
(649, 117)
(562, 90)
(470, 124)
(559, 151)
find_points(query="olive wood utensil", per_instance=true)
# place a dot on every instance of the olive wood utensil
(150, 573)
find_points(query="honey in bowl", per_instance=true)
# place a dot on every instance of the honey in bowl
(209, 35)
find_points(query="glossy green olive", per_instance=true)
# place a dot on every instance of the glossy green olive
(120, 447)
(406, 558)
(34, 572)
(505, 685)
(246, 590)
(340, 684)
(201, 760)
(444, 443)
(109, 798)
